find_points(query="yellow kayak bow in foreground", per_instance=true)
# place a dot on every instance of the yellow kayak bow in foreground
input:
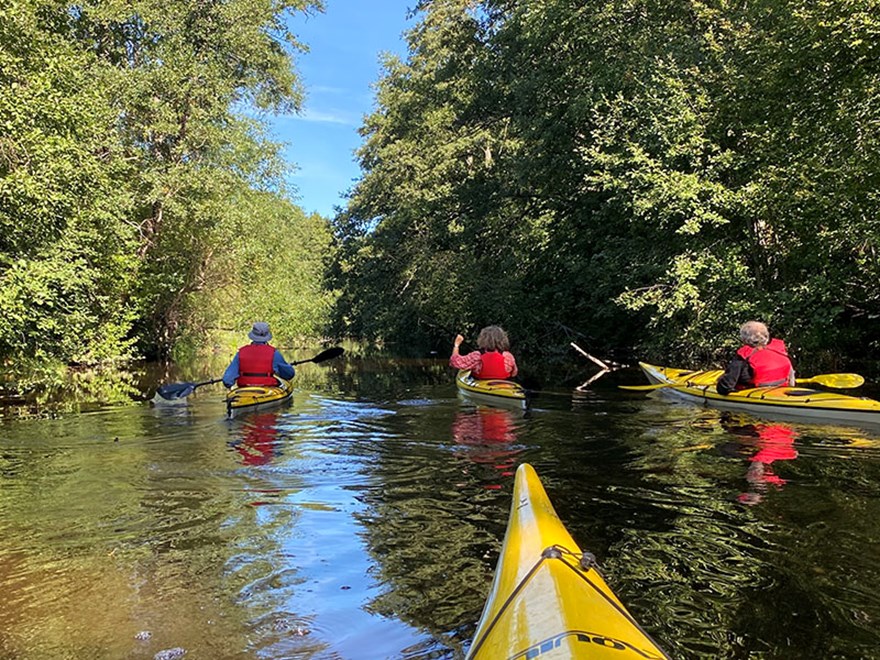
(548, 600)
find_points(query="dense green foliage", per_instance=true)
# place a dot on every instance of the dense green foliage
(648, 173)
(639, 173)
(140, 200)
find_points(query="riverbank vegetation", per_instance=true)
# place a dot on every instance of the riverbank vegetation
(631, 175)
(141, 202)
(648, 174)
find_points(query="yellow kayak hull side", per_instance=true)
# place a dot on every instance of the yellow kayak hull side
(543, 603)
(494, 392)
(240, 400)
(792, 402)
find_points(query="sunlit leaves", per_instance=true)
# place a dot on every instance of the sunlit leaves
(647, 171)
(129, 141)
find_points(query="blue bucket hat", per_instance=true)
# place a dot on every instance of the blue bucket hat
(260, 333)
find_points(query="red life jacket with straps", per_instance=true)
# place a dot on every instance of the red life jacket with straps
(770, 364)
(492, 366)
(255, 365)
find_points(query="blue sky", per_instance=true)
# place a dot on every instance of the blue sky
(345, 44)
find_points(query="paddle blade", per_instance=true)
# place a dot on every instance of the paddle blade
(329, 354)
(176, 390)
(837, 381)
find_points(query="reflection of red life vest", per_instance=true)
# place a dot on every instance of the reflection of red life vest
(497, 426)
(260, 442)
(775, 443)
(770, 364)
(492, 366)
(255, 365)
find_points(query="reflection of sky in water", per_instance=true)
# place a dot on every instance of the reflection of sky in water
(308, 570)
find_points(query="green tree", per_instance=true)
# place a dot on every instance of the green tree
(185, 73)
(66, 254)
(278, 278)
(133, 134)
(649, 173)
(423, 229)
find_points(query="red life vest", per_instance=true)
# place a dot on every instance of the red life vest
(492, 366)
(255, 365)
(770, 364)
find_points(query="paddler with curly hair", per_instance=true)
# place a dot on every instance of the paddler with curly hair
(492, 360)
(759, 362)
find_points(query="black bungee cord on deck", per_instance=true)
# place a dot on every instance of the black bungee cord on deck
(583, 563)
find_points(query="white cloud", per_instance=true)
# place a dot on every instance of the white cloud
(327, 117)
(327, 89)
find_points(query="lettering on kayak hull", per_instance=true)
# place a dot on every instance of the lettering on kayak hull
(583, 637)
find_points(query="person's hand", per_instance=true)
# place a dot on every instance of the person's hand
(458, 340)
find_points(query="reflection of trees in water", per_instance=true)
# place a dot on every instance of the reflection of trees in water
(432, 526)
(734, 575)
(431, 545)
(51, 389)
(641, 492)
(382, 378)
(46, 389)
(155, 536)
(371, 377)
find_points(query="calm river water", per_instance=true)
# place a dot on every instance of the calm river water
(364, 521)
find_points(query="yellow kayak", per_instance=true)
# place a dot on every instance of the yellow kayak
(548, 599)
(257, 397)
(496, 392)
(799, 403)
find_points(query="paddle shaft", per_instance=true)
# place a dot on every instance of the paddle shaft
(207, 382)
(168, 391)
(181, 390)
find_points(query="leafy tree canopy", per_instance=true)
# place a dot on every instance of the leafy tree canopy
(646, 174)
(133, 147)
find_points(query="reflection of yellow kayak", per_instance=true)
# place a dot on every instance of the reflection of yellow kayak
(548, 600)
(791, 402)
(257, 397)
(494, 392)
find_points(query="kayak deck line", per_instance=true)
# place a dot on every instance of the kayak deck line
(510, 599)
(548, 599)
(585, 562)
